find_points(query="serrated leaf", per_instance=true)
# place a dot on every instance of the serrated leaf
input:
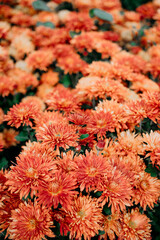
(22, 137)
(3, 163)
(45, 24)
(40, 5)
(101, 14)
(83, 136)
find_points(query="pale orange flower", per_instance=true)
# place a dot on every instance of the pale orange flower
(60, 189)
(91, 170)
(147, 190)
(112, 226)
(50, 78)
(30, 221)
(9, 137)
(21, 113)
(40, 59)
(117, 190)
(30, 174)
(135, 226)
(84, 218)
(57, 135)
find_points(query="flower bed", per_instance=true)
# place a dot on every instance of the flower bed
(80, 120)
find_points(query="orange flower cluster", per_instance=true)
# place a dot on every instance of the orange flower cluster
(88, 119)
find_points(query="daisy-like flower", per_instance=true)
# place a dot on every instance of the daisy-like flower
(6, 89)
(129, 142)
(59, 135)
(147, 190)
(59, 190)
(101, 123)
(21, 113)
(9, 137)
(62, 99)
(67, 163)
(30, 174)
(152, 144)
(116, 190)
(85, 216)
(91, 171)
(135, 226)
(30, 222)
(112, 226)
(40, 59)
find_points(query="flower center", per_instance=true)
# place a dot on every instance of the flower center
(132, 224)
(32, 224)
(32, 173)
(55, 189)
(144, 185)
(81, 213)
(91, 171)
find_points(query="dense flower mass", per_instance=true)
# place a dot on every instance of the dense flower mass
(80, 119)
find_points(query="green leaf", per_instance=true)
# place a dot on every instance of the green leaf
(45, 24)
(83, 136)
(73, 34)
(150, 169)
(40, 5)
(101, 232)
(22, 137)
(3, 163)
(101, 14)
(66, 81)
(107, 210)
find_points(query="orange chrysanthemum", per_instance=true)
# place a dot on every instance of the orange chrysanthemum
(59, 135)
(50, 78)
(152, 144)
(21, 113)
(116, 190)
(31, 173)
(62, 99)
(91, 171)
(59, 190)
(112, 226)
(31, 222)
(135, 226)
(147, 190)
(84, 217)
(101, 123)
(9, 137)
(40, 59)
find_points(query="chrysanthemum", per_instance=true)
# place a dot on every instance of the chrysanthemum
(9, 137)
(152, 144)
(147, 190)
(91, 171)
(21, 113)
(101, 123)
(67, 163)
(59, 135)
(30, 174)
(50, 78)
(1, 115)
(6, 89)
(40, 59)
(31, 222)
(107, 48)
(135, 226)
(62, 99)
(112, 226)
(79, 22)
(85, 217)
(129, 142)
(116, 190)
(59, 190)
